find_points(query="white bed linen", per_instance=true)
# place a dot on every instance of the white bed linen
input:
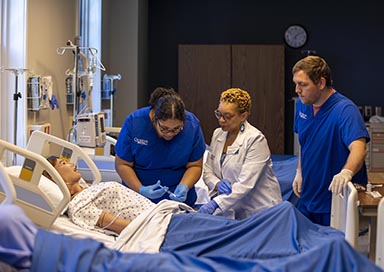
(64, 225)
(146, 233)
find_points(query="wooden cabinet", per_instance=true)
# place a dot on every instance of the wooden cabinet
(207, 70)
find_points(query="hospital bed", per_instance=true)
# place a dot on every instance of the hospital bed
(89, 166)
(45, 201)
(7, 187)
(345, 214)
(286, 240)
(380, 235)
(104, 159)
(30, 189)
(345, 217)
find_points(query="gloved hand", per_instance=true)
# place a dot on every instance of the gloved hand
(297, 182)
(340, 180)
(209, 208)
(180, 194)
(224, 187)
(153, 191)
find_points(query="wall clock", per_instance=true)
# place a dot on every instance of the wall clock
(295, 36)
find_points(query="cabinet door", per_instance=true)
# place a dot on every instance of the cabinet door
(204, 72)
(207, 70)
(259, 69)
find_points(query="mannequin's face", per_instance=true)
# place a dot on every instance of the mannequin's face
(67, 171)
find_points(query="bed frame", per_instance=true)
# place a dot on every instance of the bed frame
(104, 160)
(39, 141)
(29, 195)
(7, 186)
(380, 235)
(345, 213)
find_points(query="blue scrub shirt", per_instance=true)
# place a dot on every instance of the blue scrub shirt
(324, 141)
(156, 158)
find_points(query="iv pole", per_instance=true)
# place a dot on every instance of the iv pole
(75, 81)
(111, 78)
(16, 97)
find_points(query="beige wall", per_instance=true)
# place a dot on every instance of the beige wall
(50, 23)
(124, 49)
(120, 50)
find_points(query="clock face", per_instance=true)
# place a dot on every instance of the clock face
(295, 36)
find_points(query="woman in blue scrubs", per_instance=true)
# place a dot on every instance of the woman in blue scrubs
(159, 151)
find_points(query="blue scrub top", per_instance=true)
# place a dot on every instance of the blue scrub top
(324, 141)
(155, 158)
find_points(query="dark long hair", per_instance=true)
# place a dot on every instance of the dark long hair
(52, 160)
(167, 104)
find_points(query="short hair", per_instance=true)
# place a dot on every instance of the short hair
(238, 96)
(167, 104)
(315, 67)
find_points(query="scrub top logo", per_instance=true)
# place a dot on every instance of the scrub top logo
(303, 115)
(140, 141)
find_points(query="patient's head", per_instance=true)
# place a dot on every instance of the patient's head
(66, 170)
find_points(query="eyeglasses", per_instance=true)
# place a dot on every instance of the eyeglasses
(166, 130)
(226, 117)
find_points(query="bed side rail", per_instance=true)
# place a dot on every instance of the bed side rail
(7, 186)
(37, 204)
(380, 235)
(345, 214)
(38, 141)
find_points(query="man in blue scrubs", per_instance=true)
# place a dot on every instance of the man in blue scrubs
(332, 138)
(159, 151)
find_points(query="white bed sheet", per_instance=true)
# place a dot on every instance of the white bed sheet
(64, 225)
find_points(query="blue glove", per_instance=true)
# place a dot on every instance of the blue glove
(209, 208)
(180, 193)
(153, 191)
(224, 187)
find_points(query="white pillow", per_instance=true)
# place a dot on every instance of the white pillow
(46, 185)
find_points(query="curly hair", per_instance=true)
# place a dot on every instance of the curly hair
(238, 96)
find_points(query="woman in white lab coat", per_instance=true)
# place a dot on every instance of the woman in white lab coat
(238, 170)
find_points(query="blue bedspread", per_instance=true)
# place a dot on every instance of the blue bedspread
(284, 167)
(277, 239)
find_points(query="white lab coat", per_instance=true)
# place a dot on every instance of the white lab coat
(248, 167)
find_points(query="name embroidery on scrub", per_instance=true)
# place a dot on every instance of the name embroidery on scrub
(140, 141)
(303, 115)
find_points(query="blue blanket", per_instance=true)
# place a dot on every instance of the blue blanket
(284, 167)
(277, 239)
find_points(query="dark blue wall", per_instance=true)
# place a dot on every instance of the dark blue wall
(350, 36)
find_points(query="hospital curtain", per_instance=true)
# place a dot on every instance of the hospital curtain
(90, 32)
(13, 55)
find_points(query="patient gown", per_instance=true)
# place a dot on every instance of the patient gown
(112, 197)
